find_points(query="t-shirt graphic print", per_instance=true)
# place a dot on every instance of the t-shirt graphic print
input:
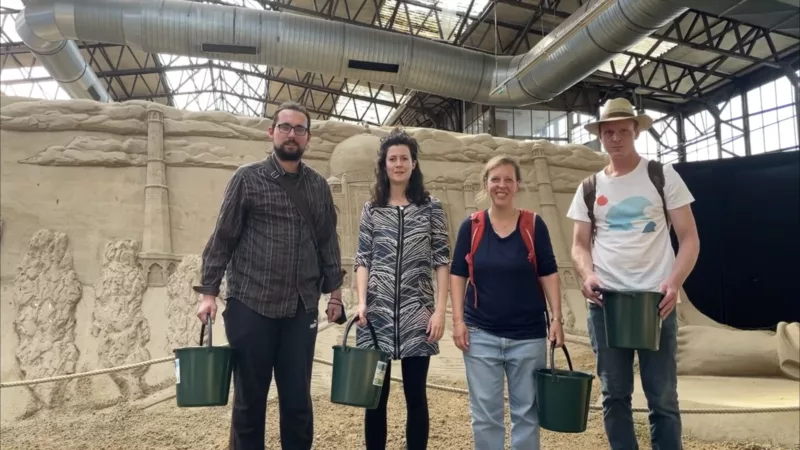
(628, 214)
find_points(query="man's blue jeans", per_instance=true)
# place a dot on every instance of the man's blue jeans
(659, 380)
(488, 361)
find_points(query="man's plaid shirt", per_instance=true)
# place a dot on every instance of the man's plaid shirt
(264, 243)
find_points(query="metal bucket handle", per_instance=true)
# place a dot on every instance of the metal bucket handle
(371, 331)
(553, 359)
(203, 330)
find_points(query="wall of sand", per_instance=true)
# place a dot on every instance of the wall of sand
(105, 209)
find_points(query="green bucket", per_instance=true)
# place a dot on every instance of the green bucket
(358, 373)
(203, 374)
(632, 319)
(563, 396)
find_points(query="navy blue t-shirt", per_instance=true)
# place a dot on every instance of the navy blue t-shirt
(510, 304)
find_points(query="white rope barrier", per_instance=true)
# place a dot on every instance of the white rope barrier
(436, 387)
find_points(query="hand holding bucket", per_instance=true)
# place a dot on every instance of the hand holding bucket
(632, 319)
(358, 373)
(203, 374)
(563, 396)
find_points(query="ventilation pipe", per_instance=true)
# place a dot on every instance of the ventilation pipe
(59, 55)
(324, 46)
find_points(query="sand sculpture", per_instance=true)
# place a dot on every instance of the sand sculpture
(110, 176)
(707, 347)
(184, 328)
(118, 324)
(46, 293)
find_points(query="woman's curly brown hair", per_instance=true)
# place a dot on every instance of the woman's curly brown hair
(415, 191)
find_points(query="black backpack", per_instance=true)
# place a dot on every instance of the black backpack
(654, 169)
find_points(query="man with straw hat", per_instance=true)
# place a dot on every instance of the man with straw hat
(621, 241)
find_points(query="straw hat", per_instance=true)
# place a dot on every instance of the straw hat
(619, 109)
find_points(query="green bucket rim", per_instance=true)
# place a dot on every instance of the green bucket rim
(347, 349)
(219, 348)
(629, 293)
(562, 374)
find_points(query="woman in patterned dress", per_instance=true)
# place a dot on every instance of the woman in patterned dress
(402, 240)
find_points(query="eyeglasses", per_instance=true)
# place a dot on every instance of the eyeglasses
(299, 130)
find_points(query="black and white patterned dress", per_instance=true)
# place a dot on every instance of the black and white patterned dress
(401, 247)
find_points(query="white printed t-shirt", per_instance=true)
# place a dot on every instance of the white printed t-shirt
(632, 248)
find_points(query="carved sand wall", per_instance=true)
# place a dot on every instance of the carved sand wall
(109, 176)
(181, 305)
(118, 324)
(46, 293)
(136, 188)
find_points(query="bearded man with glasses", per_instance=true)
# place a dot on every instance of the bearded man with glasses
(276, 237)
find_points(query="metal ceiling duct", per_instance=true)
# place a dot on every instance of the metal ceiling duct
(38, 29)
(324, 46)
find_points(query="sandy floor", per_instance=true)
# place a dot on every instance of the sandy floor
(151, 425)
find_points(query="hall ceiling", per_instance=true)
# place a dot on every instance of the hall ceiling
(696, 59)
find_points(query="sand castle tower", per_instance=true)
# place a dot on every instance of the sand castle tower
(156, 257)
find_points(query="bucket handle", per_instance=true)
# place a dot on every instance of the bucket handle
(371, 331)
(553, 358)
(203, 330)
(600, 290)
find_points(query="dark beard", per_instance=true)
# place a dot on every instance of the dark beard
(287, 155)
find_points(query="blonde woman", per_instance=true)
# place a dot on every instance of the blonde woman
(500, 317)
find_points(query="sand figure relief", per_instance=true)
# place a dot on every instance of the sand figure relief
(118, 324)
(184, 328)
(46, 293)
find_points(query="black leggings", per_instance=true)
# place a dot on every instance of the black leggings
(415, 375)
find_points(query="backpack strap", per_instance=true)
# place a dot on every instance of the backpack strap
(589, 192)
(656, 172)
(527, 226)
(478, 221)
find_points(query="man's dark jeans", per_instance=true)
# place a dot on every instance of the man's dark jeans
(659, 380)
(261, 344)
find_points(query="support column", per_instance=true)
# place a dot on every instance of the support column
(549, 211)
(350, 216)
(746, 122)
(548, 207)
(157, 259)
(470, 205)
(681, 123)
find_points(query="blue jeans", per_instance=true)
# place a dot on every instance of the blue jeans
(488, 359)
(659, 382)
